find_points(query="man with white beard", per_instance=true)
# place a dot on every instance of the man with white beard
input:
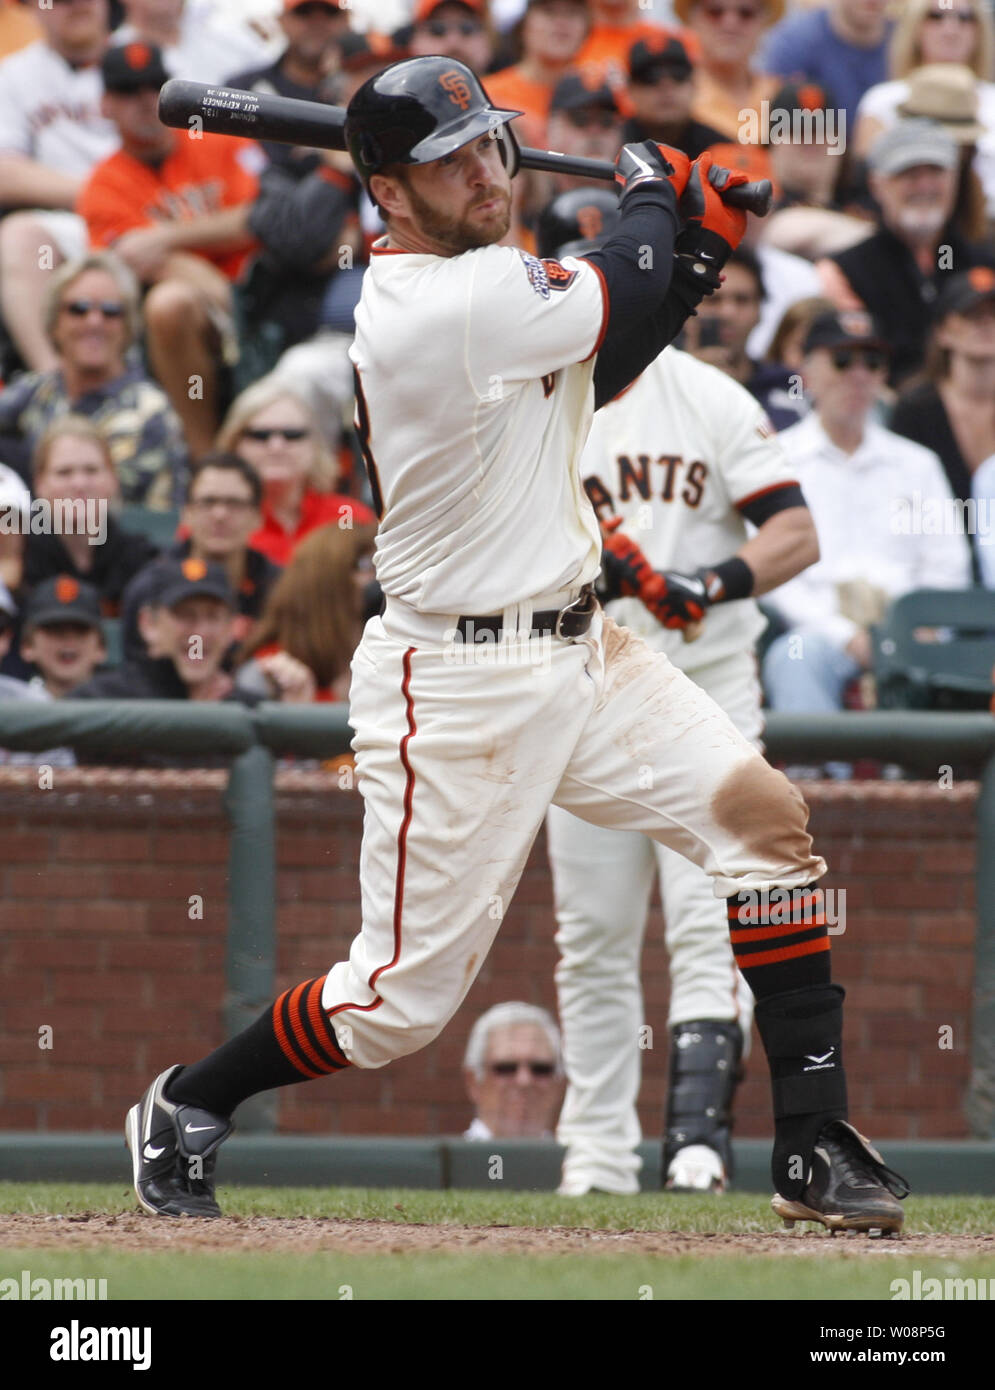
(897, 273)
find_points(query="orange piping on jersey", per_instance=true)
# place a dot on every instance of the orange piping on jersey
(605, 308)
(762, 492)
(393, 251)
(402, 840)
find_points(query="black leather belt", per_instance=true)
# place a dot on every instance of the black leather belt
(567, 623)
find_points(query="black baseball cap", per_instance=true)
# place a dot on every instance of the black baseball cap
(846, 328)
(961, 293)
(576, 91)
(177, 580)
(62, 599)
(133, 67)
(802, 96)
(672, 51)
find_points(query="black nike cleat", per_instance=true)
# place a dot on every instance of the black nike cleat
(173, 1150)
(849, 1188)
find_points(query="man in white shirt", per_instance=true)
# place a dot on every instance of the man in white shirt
(864, 486)
(52, 134)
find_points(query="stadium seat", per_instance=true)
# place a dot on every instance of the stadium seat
(159, 527)
(935, 649)
(114, 641)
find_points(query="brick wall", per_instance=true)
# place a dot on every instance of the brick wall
(96, 942)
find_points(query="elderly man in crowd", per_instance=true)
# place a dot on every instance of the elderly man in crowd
(514, 1073)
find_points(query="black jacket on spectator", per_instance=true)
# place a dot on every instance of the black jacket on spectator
(694, 137)
(919, 414)
(299, 223)
(271, 81)
(884, 274)
(261, 574)
(115, 563)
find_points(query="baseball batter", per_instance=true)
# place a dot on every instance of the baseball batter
(493, 685)
(685, 457)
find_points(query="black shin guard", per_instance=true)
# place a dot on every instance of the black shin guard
(802, 1032)
(704, 1073)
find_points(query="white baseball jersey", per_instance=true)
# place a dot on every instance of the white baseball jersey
(675, 455)
(473, 414)
(50, 111)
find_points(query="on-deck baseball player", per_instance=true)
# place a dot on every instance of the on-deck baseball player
(493, 685)
(684, 457)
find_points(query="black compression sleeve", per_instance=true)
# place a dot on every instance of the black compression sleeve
(763, 505)
(626, 353)
(637, 259)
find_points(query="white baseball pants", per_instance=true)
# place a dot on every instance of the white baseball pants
(458, 757)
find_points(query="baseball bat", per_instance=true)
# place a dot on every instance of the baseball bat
(288, 120)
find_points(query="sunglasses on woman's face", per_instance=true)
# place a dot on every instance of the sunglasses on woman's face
(745, 13)
(79, 308)
(290, 436)
(845, 358)
(511, 1068)
(961, 16)
(439, 28)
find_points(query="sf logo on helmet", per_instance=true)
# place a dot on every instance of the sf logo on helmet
(458, 88)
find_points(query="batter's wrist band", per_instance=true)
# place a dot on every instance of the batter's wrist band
(732, 579)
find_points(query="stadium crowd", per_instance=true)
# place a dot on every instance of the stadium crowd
(176, 312)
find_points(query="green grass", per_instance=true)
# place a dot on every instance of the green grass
(857, 1271)
(646, 1212)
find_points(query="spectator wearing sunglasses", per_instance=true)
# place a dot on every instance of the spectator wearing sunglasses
(584, 120)
(855, 476)
(513, 1071)
(842, 45)
(457, 29)
(661, 91)
(952, 410)
(92, 319)
(275, 430)
(729, 78)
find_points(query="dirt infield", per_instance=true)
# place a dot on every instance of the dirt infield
(134, 1232)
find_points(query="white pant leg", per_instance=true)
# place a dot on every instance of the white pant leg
(657, 755)
(704, 980)
(457, 765)
(602, 881)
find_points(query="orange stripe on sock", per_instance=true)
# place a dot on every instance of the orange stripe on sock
(804, 948)
(320, 1024)
(286, 1046)
(763, 933)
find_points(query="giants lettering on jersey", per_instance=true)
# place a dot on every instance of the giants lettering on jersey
(666, 476)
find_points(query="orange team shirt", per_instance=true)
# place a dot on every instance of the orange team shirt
(317, 509)
(199, 177)
(606, 49)
(511, 91)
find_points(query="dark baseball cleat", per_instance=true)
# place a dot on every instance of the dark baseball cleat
(849, 1188)
(173, 1151)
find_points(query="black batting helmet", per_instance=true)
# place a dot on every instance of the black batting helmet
(576, 222)
(419, 110)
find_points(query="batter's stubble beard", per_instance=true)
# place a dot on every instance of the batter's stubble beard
(457, 234)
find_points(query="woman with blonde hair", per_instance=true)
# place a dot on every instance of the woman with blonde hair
(275, 430)
(927, 32)
(316, 609)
